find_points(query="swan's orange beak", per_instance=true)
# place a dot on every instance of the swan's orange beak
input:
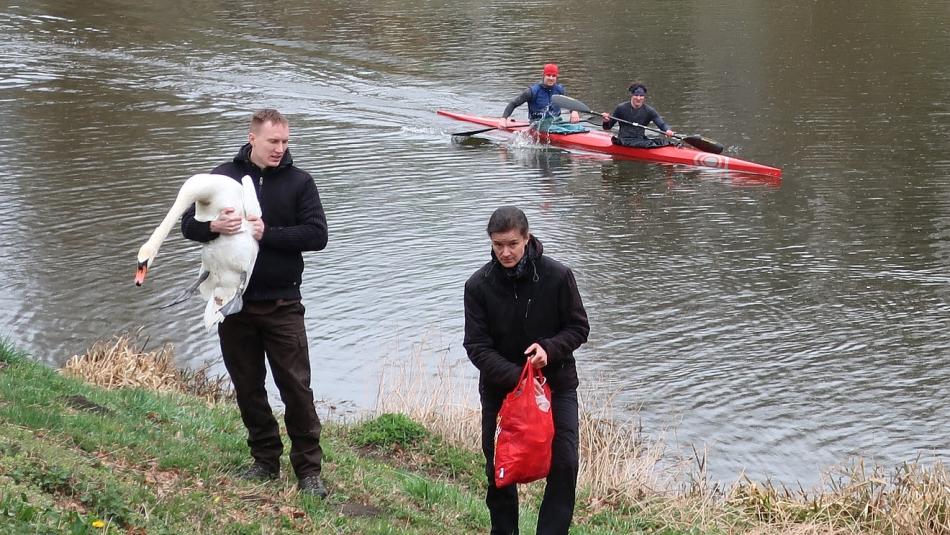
(141, 272)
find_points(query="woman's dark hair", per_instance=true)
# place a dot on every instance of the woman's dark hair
(507, 218)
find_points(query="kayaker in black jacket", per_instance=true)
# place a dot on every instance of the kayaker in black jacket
(524, 306)
(271, 322)
(636, 111)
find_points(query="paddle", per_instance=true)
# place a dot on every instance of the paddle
(480, 130)
(701, 143)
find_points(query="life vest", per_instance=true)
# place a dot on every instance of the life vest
(540, 105)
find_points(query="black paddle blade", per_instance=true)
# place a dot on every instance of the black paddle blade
(473, 132)
(703, 144)
(568, 103)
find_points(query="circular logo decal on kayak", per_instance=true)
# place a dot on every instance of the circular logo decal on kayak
(710, 160)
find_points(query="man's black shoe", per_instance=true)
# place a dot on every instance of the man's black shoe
(313, 486)
(258, 472)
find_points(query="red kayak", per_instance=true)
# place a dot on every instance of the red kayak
(599, 141)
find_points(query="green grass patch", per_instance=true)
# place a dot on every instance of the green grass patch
(389, 430)
(76, 458)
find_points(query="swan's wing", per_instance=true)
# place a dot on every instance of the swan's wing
(211, 193)
(252, 207)
(230, 261)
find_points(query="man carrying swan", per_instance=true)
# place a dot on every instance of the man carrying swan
(271, 323)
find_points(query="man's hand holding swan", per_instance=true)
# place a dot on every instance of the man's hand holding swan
(230, 222)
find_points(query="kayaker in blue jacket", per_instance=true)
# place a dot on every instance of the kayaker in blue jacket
(636, 111)
(538, 97)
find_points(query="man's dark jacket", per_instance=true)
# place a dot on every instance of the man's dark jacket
(504, 315)
(294, 221)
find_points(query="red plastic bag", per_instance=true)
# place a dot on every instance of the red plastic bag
(525, 431)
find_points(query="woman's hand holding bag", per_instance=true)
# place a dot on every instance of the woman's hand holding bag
(525, 431)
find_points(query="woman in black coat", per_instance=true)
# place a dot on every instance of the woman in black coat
(522, 307)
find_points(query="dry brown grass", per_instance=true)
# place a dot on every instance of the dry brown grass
(617, 463)
(912, 499)
(620, 466)
(124, 362)
(438, 396)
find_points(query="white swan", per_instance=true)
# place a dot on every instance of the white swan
(228, 260)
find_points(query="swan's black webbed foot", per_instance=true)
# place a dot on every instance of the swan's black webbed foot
(189, 291)
(233, 306)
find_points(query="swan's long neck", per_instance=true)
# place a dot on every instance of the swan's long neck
(149, 250)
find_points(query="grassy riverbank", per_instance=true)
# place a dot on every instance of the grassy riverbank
(80, 458)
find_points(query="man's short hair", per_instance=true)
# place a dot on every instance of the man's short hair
(507, 218)
(267, 115)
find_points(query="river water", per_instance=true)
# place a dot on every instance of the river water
(783, 326)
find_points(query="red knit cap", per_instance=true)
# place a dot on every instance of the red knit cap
(550, 69)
